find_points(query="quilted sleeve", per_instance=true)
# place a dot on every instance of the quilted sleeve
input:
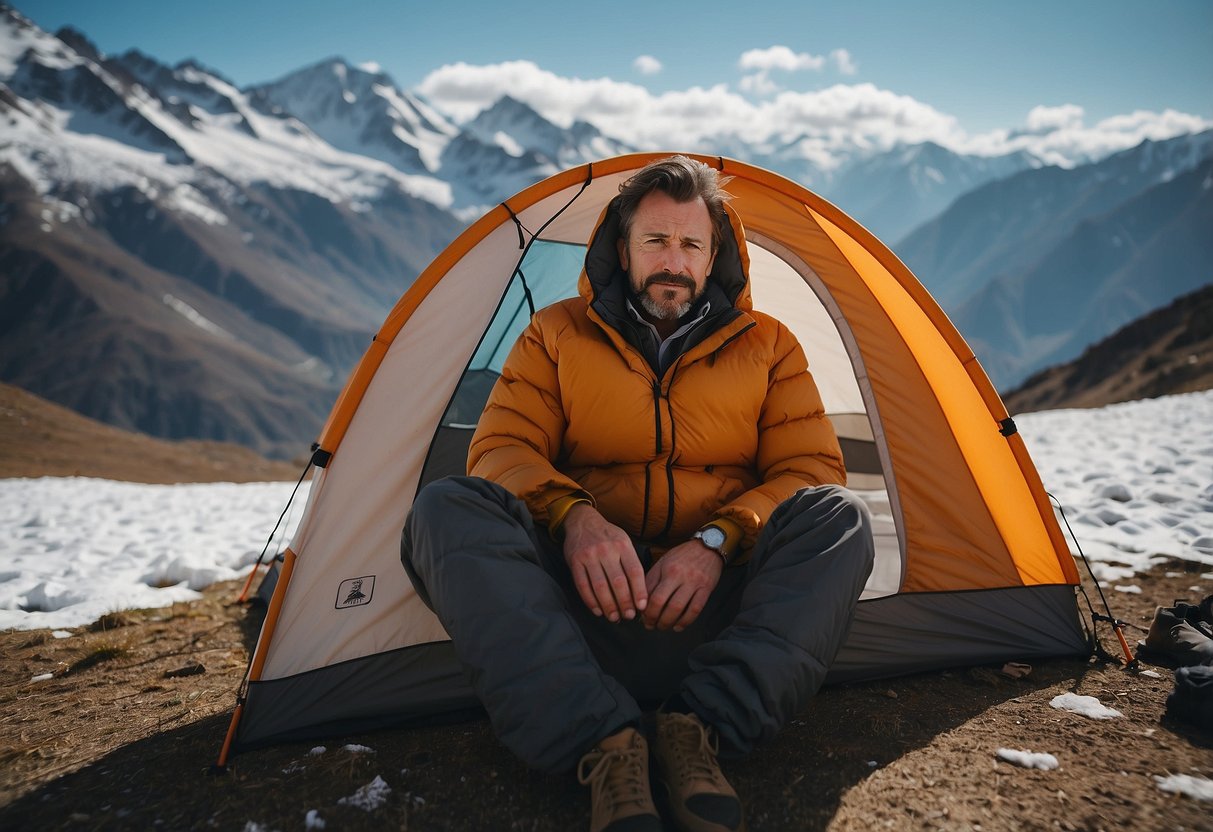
(522, 426)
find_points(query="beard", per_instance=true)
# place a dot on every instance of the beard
(663, 306)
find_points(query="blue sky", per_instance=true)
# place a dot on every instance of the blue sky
(984, 65)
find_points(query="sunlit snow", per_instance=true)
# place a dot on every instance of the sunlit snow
(1136, 481)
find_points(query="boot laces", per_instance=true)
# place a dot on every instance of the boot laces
(615, 778)
(695, 747)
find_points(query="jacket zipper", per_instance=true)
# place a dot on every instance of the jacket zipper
(669, 463)
(644, 520)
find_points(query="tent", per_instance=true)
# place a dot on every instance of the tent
(971, 566)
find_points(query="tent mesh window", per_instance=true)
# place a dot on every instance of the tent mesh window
(547, 273)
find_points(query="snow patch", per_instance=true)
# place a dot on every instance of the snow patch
(95, 543)
(1087, 706)
(1137, 486)
(506, 143)
(1028, 759)
(196, 318)
(189, 200)
(1199, 788)
(313, 820)
(370, 797)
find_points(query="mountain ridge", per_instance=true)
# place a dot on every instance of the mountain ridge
(1033, 267)
(222, 241)
(1165, 352)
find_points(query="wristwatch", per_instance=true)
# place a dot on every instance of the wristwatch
(713, 537)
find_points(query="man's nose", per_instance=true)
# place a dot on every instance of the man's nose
(673, 261)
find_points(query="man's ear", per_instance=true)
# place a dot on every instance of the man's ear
(621, 246)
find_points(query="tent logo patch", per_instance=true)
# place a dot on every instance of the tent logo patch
(355, 592)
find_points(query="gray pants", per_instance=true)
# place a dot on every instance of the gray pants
(555, 679)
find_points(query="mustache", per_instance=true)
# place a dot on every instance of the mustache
(677, 279)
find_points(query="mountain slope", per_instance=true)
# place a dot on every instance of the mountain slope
(199, 268)
(892, 193)
(1167, 351)
(1006, 226)
(42, 439)
(1111, 269)
(360, 111)
(191, 259)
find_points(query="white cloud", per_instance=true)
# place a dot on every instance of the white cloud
(647, 65)
(817, 125)
(758, 84)
(1046, 119)
(779, 57)
(1060, 136)
(463, 90)
(843, 62)
(758, 64)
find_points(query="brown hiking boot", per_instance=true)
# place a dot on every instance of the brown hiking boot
(699, 798)
(617, 772)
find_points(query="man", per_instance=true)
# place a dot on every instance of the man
(654, 514)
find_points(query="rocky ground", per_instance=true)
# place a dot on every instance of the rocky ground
(116, 726)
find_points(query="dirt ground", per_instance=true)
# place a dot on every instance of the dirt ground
(123, 732)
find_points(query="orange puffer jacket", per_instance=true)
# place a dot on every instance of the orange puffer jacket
(731, 429)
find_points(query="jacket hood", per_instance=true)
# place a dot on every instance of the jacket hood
(730, 272)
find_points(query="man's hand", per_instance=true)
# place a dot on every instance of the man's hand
(679, 585)
(604, 565)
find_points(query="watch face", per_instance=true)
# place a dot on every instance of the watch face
(712, 537)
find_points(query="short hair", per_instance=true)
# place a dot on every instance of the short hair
(682, 179)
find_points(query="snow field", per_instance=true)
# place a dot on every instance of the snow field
(1135, 479)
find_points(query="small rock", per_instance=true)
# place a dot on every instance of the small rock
(191, 669)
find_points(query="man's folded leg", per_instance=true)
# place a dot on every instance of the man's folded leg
(806, 573)
(475, 557)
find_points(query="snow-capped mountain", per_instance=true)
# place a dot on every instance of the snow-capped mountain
(893, 192)
(360, 110)
(209, 261)
(519, 130)
(202, 268)
(503, 150)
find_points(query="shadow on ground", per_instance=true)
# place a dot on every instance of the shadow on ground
(457, 776)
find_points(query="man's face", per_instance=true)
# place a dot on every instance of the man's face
(668, 254)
